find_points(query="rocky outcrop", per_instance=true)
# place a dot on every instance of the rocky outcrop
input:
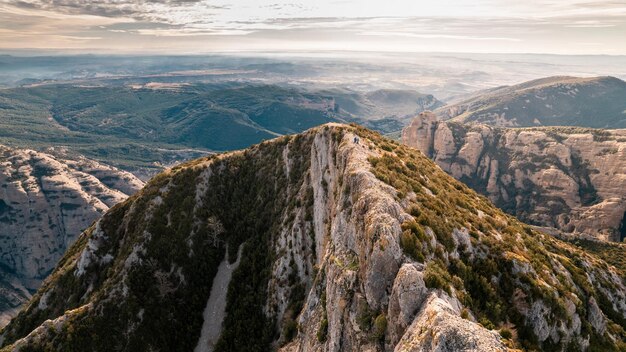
(598, 102)
(45, 203)
(438, 327)
(346, 244)
(568, 178)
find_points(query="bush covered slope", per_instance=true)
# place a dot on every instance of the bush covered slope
(346, 245)
(598, 102)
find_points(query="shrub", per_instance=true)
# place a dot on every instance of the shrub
(322, 332)
(435, 276)
(290, 330)
(380, 326)
(486, 323)
(411, 246)
(364, 318)
(506, 333)
(414, 210)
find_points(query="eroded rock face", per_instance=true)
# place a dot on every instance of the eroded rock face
(438, 327)
(45, 203)
(346, 246)
(569, 178)
(407, 297)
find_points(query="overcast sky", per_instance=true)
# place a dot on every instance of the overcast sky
(204, 26)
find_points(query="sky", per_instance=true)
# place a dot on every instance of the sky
(206, 26)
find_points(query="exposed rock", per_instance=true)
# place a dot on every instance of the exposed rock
(438, 327)
(343, 249)
(568, 178)
(45, 203)
(596, 318)
(407, 296)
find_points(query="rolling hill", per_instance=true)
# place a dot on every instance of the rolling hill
(143, 127)
(598, 102)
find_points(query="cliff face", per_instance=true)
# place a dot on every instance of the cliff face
(598, 102)
(569, 178)
(45, 203)
(335, 243)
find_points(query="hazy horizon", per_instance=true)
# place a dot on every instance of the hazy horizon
(586, 27)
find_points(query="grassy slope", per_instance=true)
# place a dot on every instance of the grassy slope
(562, 101)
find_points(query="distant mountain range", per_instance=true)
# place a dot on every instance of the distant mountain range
(598, 102)
(45, 202)
(335, 239)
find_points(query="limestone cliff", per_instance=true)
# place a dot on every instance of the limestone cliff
(45, 203)
(569, 178)
(338, 240)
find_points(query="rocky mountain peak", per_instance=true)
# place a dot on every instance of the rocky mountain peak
(337, 239)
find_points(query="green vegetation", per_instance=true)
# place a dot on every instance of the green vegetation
(135, 128)
(380, 327)
(176, 234)
(413, 240)
(612, 253)
(322, 332)
(243, 203)
(437, 277)
(489, 282)
(506, 333)
(365, 318)
(146, 129)
(597, 102)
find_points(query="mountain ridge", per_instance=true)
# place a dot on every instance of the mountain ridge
(350, 241)
(597, 102)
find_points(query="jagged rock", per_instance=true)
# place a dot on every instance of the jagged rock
(45, 203)
(407, 296)
(345, 246)
(596, 318)
(438, 327)
(568, 178)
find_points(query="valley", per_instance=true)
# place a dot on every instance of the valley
(123, 194)
(143, 129)
(312, 176)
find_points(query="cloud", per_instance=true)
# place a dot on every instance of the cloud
(437, 36)
(451, 25)
(191, 32)
(136, 9)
